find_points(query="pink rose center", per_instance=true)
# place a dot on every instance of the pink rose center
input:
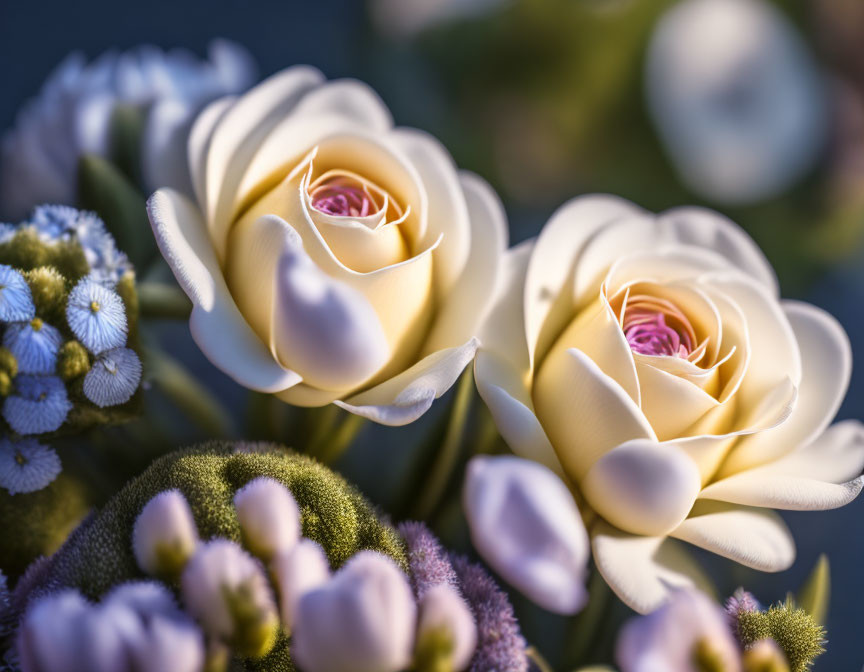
(343, 197)
(647, 333)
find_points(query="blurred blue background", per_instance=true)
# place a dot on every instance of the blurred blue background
(547, 100)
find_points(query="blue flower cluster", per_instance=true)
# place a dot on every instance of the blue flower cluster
(65, 324)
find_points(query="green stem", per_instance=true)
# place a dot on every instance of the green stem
(449, 450)
(329, 450)
(539, 661)
(584, 627)
(159, 300)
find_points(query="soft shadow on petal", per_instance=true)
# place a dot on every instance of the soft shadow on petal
(644, 571)
(404, 398)
(469, 299)
(585, 412)
(823, 475)
(548, 295)
(708, 229)
(756, 538)
(826, 363)
(525, 524)
(322, 328)
(216, 324)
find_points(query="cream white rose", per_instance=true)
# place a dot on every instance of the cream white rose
(649, 361)
(330, 257)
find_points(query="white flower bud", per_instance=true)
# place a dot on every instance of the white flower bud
(298, 571)
(165, 535)
(226, 589)
(362, 620)
(51, 634)
(269, 517)
(445, 630)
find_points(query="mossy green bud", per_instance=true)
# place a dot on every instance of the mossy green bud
(8, 363)
(49, 292)
(794, 630)
(764, 656)
(72, 360)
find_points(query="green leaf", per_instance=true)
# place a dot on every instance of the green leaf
(104, 189)
(127, 126)
(815, 595)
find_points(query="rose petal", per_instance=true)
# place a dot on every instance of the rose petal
(643, 487)
(199, 142)
(711, 230)
(322, 328)
(237, 136)
(644, 571)
(216, 324)
(448, 213)
(470, 298)
(585, 412)
(756, 538)
(348, 98)
(405, 397)
(825, 474)
(548, 283)
(826, 362)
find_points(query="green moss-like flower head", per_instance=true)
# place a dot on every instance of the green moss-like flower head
(794, 630)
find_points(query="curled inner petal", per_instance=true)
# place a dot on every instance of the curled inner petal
(654, 326)
(344, 196)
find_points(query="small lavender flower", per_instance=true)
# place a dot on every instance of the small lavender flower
(427, 560)
(741, 601)
(27, 465)
(16, 301)
(39, 404)
(51, 634)
(96, 316)
(113, 378)
(500, 645)
(35, 345)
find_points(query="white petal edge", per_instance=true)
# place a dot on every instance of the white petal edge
(404, 398)
(644, 571)
(349, 98)
(756, 538)
(216, 324)
(469, 299)
(708, 229)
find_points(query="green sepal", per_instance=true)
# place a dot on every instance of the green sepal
(815, 595)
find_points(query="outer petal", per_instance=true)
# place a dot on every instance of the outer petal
(404, 398)
(468, 301)
(809, 479)
(826, 362)
(585, 412)
(643, 487)
(756, 538)
(324, 329)
(548, 298)
(348, 98)
(448, 213)
(199, 142)
(644, 571)
(501, 366)
(711, 230)
(525, 524)
(217, 326)
(237, 136)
